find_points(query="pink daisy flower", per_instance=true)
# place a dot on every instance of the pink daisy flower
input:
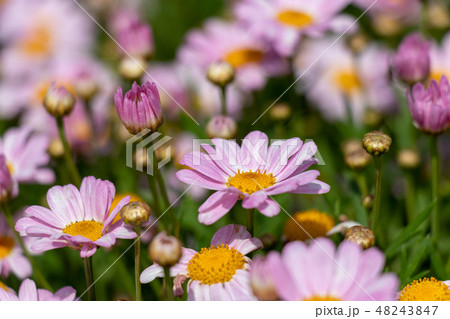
(79, 219)
(235, 44)
(252, 172)
(26, 156)
(29, 292)
(283, 22)
(12, 259)
(219, 272)
(322, 272)
(440, 59)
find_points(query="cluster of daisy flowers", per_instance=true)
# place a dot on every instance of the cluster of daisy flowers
(229, 202)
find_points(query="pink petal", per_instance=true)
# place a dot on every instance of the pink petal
(216, 206)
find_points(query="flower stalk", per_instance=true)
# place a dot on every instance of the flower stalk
(89, 278)
(377, 200)
(76, 178)
(434, 188)
(137, 263)
(251, 221)
(168, 285)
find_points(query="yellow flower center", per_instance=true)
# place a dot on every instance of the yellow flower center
(10, 167)
(118, 198)
(348, 82)
(215, 264)
(251, 182)
(42, 88)
(89, 228)
(437, 75)
(6, 245)
(322, 298)
(2, 286)
(312, 224)
(37, 42)
(240, 57)
(296, 19)
(425, 289)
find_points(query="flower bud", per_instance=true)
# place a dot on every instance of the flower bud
(408, 159)
(86, 87)
(367, 201)
(358, 42)
(438, 15)
(412, 62)
(165, 250)
(358, 159)
(430, 107)
(141, 158)
(132, 69)
(269, 240)
(56, 148)
(6, 181)
(135, 213)
(222, 127)
(280, 112)
(261, 280)
(59, 101)
(137, 39)
(140, 108)
(376, 143)
(220, 73)
(360, 235)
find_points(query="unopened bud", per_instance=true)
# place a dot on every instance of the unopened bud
(222, 127)
(408, 159)
(372, 118)
(358, 159)
(367, 201)
(132, 69)
(59, 101)
(135, 213)
(358, 41)
(350, 146)
(165, 250)
(376, 143)
(56, 148)
(360, 235)
(438, 15)
(86, 88)
(269, 240)
(280, 112)
(220, 73)
(141, 158)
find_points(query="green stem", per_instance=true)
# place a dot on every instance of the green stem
(410, 198)
(251, 221)
(362, 183)
(36, 270)
(154, 190)
(168, 284)
(435, 189)
(89, 278)
(424, 19)
(377, 200)
(223, 97)
(137, 263)
(67, 154)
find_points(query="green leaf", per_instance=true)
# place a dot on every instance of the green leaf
(409, 231)
(417, 258)
(437, 264)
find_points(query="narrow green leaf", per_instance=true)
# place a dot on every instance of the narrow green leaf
(417, 258)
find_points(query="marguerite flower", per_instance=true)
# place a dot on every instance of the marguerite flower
(283, 22)
(253, 172)
(219, 272)
(237, 45)
(307, 225)
(29, 292)
(26, 156)
(322, 272)
(79, 219)
(440, 59)
(426, 289)
(11, 256)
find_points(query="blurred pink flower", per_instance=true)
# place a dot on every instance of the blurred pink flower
(12, 259)
(322, 272)
(411, 63)
(79, 219)
(252, 172)
(340, 78)
(404, 10)
(136, 39)
(140, 108)
(440, 59)
(29, 292)
(8, 187)
(237, 45)
(219, 272)
(430, 107)
(34, 32)
(26, 156)
(283, 22)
